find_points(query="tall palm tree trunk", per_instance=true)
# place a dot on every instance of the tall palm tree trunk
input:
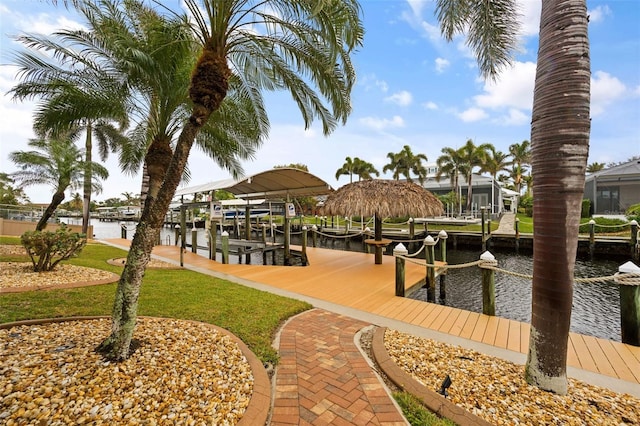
(87, 189)
(560, 144)
(208, 90)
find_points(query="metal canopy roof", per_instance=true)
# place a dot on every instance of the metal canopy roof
(270, 184)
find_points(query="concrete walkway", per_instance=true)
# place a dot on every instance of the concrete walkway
(507, 224)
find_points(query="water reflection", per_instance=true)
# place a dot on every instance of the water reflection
(596, 306)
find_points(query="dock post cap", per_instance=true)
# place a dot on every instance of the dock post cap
(487, 256)
(629, 268)
(592, 222)
(315, 228)
(429, 240)
(400, 249)
(304, 228)
(410, 220)
(177, 225)
(633, 223)
(367, 229)
(264, 225)
(224, 234)
(443, 234)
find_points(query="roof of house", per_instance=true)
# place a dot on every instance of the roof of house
(629, 170)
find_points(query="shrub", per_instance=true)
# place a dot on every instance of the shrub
(46, 249)
(633, 213)
(525, 205)
(586, 208)
(605, 225)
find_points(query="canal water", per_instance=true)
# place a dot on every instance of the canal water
(596, 306)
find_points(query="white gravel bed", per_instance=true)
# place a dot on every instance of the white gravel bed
(497, 391)
(20, 274)
(183, 373)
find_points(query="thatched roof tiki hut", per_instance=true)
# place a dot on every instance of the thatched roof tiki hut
(382, 198)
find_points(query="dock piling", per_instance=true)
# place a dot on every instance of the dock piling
(629, 303)
(442, 236)
(488, 283)
(398, 252)
(429, 243)
(225, 247)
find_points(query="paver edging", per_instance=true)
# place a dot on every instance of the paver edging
(260, 403)
(431, 399)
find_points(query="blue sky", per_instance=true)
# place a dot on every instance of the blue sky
(413, 89)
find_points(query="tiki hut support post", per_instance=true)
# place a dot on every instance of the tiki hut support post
(378, 237)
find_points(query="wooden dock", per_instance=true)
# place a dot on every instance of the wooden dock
(351, 279)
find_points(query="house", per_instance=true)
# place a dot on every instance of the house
(613, 190)
(486, 192)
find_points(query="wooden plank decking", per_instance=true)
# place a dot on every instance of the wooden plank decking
(351, 279)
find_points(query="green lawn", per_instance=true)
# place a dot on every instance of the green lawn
(250, 314)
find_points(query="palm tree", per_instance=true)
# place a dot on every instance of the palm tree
(521, 159)
(595, 167)
(76, 94)
(472, 157)
(346, 169)
(57, 163)
(560, 129)
(450, 164)
(364, 169)
(495, 162)
(303, 47)
(404, 163)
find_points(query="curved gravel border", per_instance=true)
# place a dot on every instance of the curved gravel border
(488, 389)
(184, 371)
(17, 277)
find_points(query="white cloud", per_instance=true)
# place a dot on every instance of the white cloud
(513, 89)
(402, 98)
(599, 13)
(472, 114)
(529, 11)
(382, 123)
(515, 117)
(441, 65)
(416, 6)
(605, 89)
(430, 105)
(44, 23)
(370, 81)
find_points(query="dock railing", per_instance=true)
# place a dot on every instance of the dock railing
(627, 278)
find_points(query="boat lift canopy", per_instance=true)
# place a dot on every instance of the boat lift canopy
(276, 183)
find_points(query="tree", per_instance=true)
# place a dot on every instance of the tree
(364, 169)
(521, 159)
(595, 167)
(356, 166)
(495, 162)
(77, 95)
(303, 48)
(346, 169)
(9, 194)
(57, 163)
(560, 129)
(404, 163)
(471, 157)
(450, 164)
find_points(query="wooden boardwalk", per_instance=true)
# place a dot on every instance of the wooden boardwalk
(352, 280)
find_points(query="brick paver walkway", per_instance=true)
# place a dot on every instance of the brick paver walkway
(323, 379)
